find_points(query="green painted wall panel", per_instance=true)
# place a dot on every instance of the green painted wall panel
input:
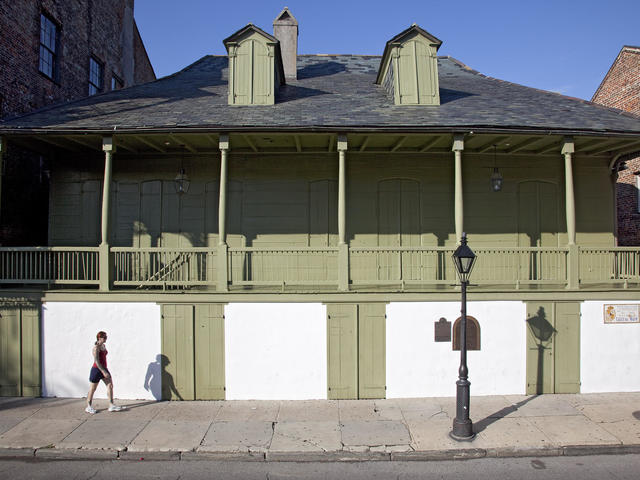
(177, 346)
(273, 201)
(342, 351)
(209, 352)
(10, 352)
(371, 350)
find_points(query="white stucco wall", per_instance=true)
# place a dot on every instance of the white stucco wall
(609, 353)
(69, 332)
(275, 351)
(417, 366)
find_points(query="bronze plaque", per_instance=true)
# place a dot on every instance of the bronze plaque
(442, 330)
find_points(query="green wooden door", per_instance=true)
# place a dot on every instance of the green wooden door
(342, 351)
(20, 373)
(356, 357)
(371, 350)
(10, 352)
(177, 347)
(553, 347)
(209, 352)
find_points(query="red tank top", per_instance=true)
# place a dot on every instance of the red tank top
(102, 356)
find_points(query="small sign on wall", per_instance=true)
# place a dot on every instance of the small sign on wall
(629, 313)
(442, 330)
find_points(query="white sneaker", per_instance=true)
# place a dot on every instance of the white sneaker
(90, 409)
(115, 408)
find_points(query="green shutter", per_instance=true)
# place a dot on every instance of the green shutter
(91, 212)
(10, 352)
(342, 351)
(150, 214)
(30, 362)
(177, 347)
(209, 352)
(170, 215)
(126, 214)
(371, 350)
(567, 348)
(540, 359)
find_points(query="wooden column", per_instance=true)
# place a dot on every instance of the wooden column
(457, 148)
(109, 149)
(343, 248)
(223, 249)
(573, 261)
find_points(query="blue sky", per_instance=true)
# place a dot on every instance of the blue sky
(565, 46)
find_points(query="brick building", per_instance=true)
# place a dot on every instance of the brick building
(53, 52)
(620, 89)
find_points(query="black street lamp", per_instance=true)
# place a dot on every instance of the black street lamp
(463, 258)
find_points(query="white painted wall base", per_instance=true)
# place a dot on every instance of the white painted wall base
(417, 366)
(609, 352)
(275, 351)
(68, 335)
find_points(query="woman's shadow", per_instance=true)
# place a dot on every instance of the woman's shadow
(158, 381)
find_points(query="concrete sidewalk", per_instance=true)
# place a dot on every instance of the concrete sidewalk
(317, 430)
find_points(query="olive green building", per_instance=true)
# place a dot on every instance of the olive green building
(272, 225)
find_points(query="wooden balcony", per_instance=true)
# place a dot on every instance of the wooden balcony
(311, 269)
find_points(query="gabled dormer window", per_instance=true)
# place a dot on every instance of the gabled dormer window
(255, 67)
(409, 68)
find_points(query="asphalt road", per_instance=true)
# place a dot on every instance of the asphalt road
(603, 467)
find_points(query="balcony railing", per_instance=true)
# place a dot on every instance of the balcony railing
(363, 267)
(49, 265)
(294, 266)
(164, 267)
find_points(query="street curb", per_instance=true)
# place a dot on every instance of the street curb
(335, 456)
(76, 454)
(223, 456)
(332, 456)
(581, 450)
(519, 452)
(435, 455)
(17, 452)
(140, 456)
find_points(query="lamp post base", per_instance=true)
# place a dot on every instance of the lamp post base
(462, 432)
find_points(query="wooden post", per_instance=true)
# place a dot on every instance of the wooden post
(573, 274)
(105, 261)
(343, 248)
(223, 249)
(457, 148)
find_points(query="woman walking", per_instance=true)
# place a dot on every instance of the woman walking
(99, 372)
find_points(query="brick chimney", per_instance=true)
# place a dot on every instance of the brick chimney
(285, 29)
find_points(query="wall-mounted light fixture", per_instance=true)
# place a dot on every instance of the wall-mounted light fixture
(496, 176)
(182, 181)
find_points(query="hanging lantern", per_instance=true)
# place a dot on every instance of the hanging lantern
(496, 176)
(182, 181)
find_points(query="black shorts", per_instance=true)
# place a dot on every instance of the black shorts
(95, 375)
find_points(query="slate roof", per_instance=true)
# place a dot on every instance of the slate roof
(332, 92)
